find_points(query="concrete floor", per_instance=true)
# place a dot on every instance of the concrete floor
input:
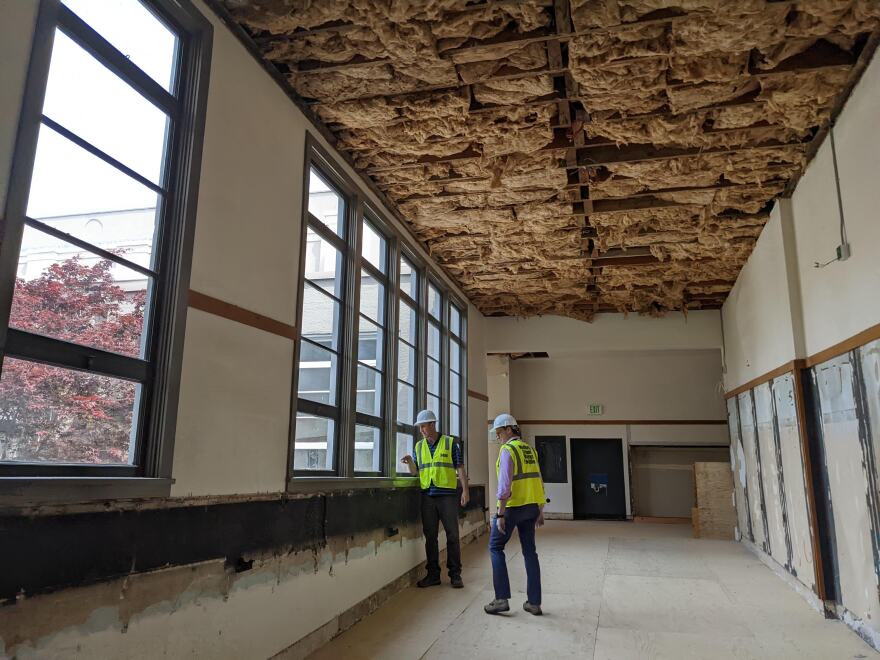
(612, 591)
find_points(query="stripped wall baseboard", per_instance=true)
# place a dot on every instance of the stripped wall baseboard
(337, 625)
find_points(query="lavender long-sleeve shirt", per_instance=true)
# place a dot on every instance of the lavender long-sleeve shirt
(505, 475)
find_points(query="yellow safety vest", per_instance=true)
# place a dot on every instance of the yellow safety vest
(439, 468)
(526, 486)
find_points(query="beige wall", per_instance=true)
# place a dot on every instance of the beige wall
(631, 385)
(17, 19)
(697, 330)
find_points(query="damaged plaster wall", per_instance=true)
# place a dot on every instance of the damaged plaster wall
(209, 610)
(784, 308)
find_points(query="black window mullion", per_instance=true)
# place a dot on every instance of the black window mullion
(318, 409)
(320, 289)
(91, 41)
(374, 272)
(102, 155)
(85, 245)
(60, 353)
(327, 234)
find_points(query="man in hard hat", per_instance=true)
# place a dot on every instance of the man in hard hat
(437, 460)
(521, 502)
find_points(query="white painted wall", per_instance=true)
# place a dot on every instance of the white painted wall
(630, 385)
(758, 334)
(842, 299)
(608, 332)
(478, 410)
(784, 308)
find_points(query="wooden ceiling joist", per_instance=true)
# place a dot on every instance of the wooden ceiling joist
(602, 155)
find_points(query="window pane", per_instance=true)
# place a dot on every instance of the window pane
(434, 404)
(406, 363)
(405, 444)
(434, 341)
(133, 30)
(369, 391)
(69, 181)
(68, 293)
(372, 303)
(320, 318)
(55, 415)
(367, 449)
(314, 443)
(373, 247)
(407, 326)
(405, 403)
(86, 98)
(323, 264)
(454, 320)
(327, 205)
(433, 301)
(455, 356)
(455, 420)
(409, 279)
(318, 370)
(454, 387)
(370, 342)
(433, 376)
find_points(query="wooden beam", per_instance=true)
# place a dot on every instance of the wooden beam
(599, 156)
(867, 52)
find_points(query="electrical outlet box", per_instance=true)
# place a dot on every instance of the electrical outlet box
(843, 252)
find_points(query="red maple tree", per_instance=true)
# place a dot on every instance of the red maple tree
(53, 414)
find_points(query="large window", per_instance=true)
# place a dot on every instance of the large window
(374, 344)
(456, 380)
(96, 244)
(408, 354)
(323, 295)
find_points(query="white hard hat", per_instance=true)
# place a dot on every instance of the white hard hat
(504, 419)
(426, 417)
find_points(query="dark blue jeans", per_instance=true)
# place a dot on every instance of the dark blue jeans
(523, 519)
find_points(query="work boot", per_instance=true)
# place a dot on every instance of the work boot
(428, 581)
(497, 606)
(456, 582)
(532, 609)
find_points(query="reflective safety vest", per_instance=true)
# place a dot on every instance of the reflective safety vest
(439, 468)
(526, 486)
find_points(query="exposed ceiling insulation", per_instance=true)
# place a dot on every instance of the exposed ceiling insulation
(575, 156)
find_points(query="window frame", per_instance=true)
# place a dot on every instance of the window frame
(155, 417)
(399, 245)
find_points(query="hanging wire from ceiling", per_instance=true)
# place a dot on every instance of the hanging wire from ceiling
(843, 250)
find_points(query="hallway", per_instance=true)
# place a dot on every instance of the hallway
(612, 591)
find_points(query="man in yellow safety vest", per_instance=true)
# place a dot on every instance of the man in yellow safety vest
(521, 502)
(438, 461)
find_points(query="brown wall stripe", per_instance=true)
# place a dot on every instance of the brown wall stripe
(477, 395)
(240, 315)
(860, 339)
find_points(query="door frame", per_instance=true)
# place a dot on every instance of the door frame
(624, 473)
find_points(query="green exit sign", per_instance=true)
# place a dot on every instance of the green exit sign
(595, 408)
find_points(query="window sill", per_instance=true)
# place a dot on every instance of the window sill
(30, 491)
(303, 484)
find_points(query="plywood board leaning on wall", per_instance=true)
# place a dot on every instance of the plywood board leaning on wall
(716, 517)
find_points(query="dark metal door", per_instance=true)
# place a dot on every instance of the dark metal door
(598, 488)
